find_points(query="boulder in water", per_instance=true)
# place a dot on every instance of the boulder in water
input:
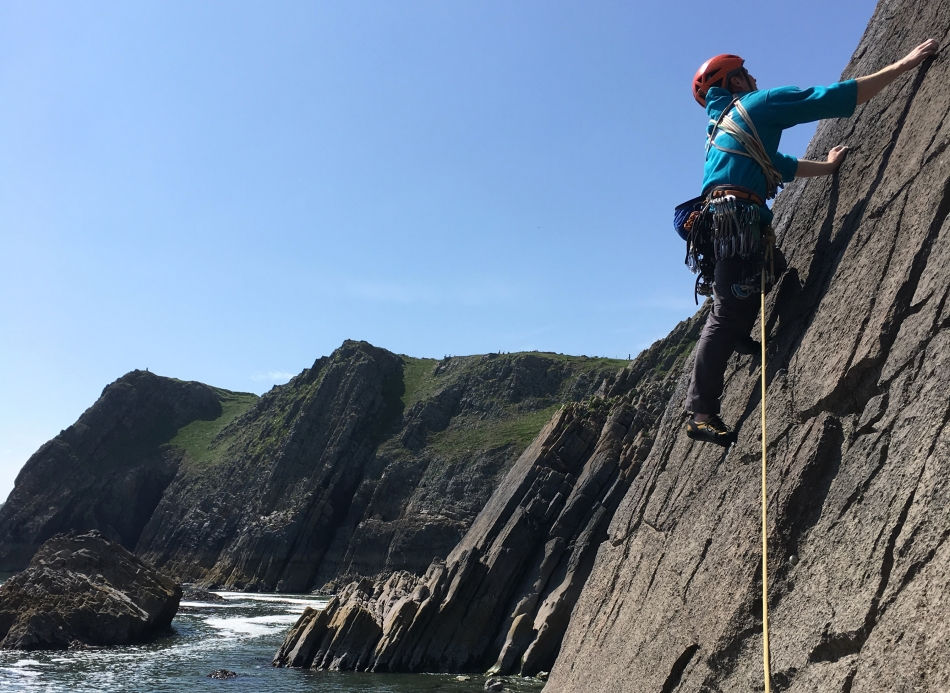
(84, 590)
(222, 674)
(196, 594)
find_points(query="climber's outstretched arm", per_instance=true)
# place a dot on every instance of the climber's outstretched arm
(871, 84)
(807, 168)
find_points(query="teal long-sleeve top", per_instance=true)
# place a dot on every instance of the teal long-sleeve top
(772, 110)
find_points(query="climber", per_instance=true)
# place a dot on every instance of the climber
(743, 169)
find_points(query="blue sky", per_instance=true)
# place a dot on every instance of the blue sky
(225, 191)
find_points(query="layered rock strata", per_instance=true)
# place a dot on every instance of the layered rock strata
(503, 596)
(84, 590)
(264, 515)
(366, 462)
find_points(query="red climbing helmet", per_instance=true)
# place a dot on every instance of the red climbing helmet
(713, 73)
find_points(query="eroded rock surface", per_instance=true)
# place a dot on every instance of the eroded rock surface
(84, 590)
(858, 444)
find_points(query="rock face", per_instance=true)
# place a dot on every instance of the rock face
(366, 462)
(859, 455)
(858, 445)
(83, 589)
(262, 514)
(344, 634)
(503, 596)
(107, 471)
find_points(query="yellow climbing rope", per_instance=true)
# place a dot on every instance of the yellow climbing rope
(765, 544)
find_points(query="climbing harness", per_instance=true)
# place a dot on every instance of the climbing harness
(766, 664)
(727, 221)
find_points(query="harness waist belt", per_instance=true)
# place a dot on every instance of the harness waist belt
(739, 193)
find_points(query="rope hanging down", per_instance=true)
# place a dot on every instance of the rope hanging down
(765, 545)
(755, 150)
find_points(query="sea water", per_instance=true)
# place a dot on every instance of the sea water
(240, 634)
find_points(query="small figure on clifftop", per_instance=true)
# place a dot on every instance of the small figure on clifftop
(731, 240)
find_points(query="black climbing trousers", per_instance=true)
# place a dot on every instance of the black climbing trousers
(735, 305)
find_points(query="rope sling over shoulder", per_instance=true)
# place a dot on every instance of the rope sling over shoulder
(750, 141)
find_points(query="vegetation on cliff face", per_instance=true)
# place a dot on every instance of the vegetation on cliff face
(471, 433)
(536, 384)
(197, 439)
(424, 377)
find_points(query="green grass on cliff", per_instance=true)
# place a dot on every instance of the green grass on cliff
(513, 425)
(418, 379)
(585, 363)
(195, 438)
(421, 382)
(518, 430)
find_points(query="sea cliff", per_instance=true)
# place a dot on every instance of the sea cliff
(649, 579)
(365, 462)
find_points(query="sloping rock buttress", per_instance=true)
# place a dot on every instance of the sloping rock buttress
(858, 445)
(503, 596)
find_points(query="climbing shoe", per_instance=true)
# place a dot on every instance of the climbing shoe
(747, 346)
(713, 430)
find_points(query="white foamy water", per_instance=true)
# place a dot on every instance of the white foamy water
(241, 634)
(23, 667)
(238, 600)
(252, 626)
(315, 602)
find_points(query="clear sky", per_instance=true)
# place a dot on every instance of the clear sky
(224, 191)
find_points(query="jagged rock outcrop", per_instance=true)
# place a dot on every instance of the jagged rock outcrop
(81, 590)
(858, 444)
(108, 470)
(263, 513)
(344, 634)
(366, 462)
(503, 596)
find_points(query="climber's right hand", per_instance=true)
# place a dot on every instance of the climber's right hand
(919, 54)
(836, 156)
